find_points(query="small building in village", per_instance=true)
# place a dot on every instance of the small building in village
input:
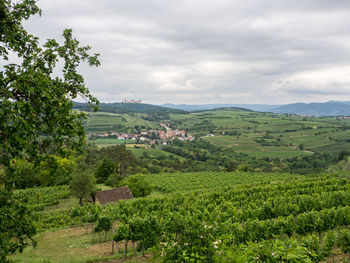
(113, 195)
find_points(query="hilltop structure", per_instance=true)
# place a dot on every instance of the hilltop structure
(132, 101)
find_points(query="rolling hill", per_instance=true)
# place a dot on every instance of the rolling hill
(330, 108)
(120, 107)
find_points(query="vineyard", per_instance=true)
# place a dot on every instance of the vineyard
(229, 217)
(38, 198)
(178, 182)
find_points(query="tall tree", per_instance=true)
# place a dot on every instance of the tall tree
(83, 184)
(35, 107)
(105, 169)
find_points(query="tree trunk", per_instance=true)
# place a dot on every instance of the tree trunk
(105, 236)
(118, 248)
(99, 237)
(134, 248)
(112, 247)
(93, 237)
(81, 201)
(143, 247)
(92, 227)
(125, 248)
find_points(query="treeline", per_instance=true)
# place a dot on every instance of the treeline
(112, 164)
(118, 107)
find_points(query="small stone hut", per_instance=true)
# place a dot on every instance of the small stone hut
(113, 195)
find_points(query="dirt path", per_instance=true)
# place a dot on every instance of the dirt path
(138, 258)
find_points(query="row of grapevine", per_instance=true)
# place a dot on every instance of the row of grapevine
(177, 182)
(36, 199)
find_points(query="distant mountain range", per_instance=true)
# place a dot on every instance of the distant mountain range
(330, 108)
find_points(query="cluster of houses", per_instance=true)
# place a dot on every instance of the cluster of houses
(150, 136)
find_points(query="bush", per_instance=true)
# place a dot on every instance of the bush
(113, 180)
(138, 185)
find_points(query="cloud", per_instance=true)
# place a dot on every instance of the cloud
(209, 51)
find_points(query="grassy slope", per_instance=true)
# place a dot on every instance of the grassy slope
(71, 245)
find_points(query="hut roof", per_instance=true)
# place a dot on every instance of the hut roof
(114, 195)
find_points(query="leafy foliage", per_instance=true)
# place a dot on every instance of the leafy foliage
(138, 185)
(344, 241)
(35, 107)
(82, 185)
(103, 224)
(105, 169)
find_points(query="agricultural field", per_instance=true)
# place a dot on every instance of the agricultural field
(254, 133)
(267, 134)
(208, 217)
(154, 153)
(106, 142)
(113, 122)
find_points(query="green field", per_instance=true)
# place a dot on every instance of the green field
(254, 133)
(112, 122)
(154, 153)
(266, 134)
(107, 141)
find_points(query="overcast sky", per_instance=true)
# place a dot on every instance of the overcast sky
(209, 51)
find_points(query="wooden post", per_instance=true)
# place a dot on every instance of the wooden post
(87, 224)
(125, 248)
(134, 248)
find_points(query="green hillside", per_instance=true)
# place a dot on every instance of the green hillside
(253, 133)
(267, 134)
(121, 107)
(113, 122)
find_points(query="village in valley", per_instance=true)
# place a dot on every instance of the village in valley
(151, 136)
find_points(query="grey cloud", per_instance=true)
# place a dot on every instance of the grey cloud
(299, 91)
(199, 51)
